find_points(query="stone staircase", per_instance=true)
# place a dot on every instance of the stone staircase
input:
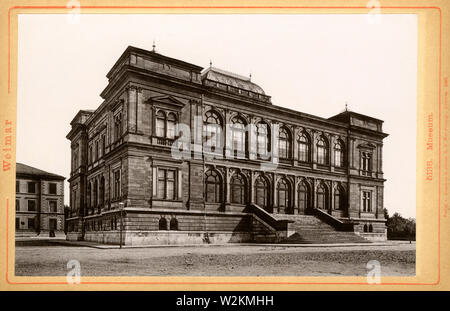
(308, 229)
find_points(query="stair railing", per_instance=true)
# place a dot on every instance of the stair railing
(276, 224)
(333, 221)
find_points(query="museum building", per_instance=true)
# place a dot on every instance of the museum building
(178, 154)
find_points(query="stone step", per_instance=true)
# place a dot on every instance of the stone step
(312, 230)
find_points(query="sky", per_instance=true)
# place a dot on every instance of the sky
(311, 63)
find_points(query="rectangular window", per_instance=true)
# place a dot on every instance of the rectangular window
(166, 184)
(52, 206)
(90, 155)
(367, 201)
(118, 127)
(366, 163)
(170, 129)
(160, 128)
(117, 184)
(103, 145)
(161, 184)
(17, 205)
(170, 182)
(17, 223)
(31, 187)
(52, 188)
(75, 160)
(30, 223)
(17, 186)
(97, 151)
(31, 205)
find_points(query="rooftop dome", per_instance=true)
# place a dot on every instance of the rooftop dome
(228, 78)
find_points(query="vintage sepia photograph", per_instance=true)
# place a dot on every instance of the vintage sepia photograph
(216, 145)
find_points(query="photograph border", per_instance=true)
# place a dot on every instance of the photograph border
(14, 11)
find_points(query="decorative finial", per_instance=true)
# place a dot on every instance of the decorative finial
(250, 76)
(210, 63)
(154, 46)
(346, 106)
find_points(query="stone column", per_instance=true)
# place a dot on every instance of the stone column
(314, 191)
(251, 190)
(274, 195)
(180, 185)
(313, 149)
(251, 139)
(381, 158)
(154, 181)
(332, 140)
(331, 207)
(295, 132)
(227, 137)
(295, 195)
(124, 117)
(227, 185)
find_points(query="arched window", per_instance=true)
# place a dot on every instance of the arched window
(262, 140)
(102, 190)
(339, 198)
(283, 195)
(173, 224)
(239, 136)
(322, 151)
(162, 224)
(213, 130)
(322, 197)
(171, 122)
(160, 124)
(285, 144)
(262, 192)
(339, 154)
(303, 148)
(213, 187)
(365, 228)
(238, 189)
(303, 196)
(370, 228)
(89, 195)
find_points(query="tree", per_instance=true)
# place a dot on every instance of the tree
(386, 213)
(399, 228)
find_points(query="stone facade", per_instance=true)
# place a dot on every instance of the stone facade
(268, 161)
(39, 202)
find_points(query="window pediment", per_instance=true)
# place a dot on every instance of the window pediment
(167, 102)
(367, 146)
